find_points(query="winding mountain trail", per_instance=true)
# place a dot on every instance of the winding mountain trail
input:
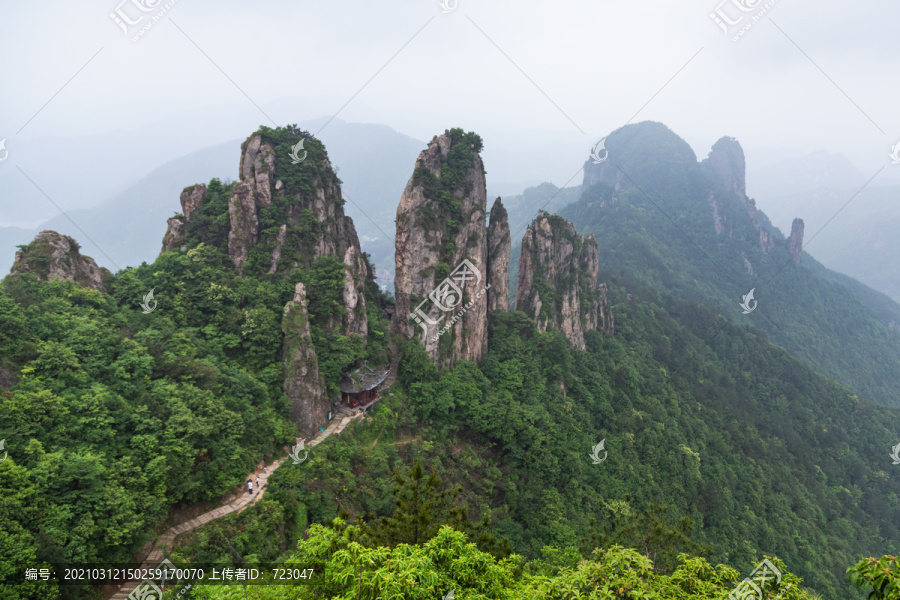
(236, 505)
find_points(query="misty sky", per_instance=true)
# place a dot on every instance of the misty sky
(540, 81)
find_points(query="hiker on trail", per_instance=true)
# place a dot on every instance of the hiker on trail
(265, 470)
(249, 487)
(257, 481)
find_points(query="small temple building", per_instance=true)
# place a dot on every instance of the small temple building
(360, 387)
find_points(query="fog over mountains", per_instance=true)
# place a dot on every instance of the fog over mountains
(125, 227)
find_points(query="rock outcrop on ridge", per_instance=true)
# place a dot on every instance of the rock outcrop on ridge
(282, 214)
(795, 242)
(442, 260)
(52, 256)
(557, 282)
(499, 245)
(303, 385)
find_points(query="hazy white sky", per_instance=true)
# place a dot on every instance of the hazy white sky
(540, 81)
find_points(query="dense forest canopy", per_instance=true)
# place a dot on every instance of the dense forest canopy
(723, 447)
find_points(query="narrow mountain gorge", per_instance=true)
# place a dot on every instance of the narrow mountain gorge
(726, 437)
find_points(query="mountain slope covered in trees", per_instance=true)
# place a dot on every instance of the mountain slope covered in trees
(720, 443)
(688, 229)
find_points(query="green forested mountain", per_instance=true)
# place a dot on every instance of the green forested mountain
(717, 443)
(687, 229)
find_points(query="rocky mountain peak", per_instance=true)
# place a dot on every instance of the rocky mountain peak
(726, 165)
(795, 242)
(442, 251)
(285, 212)
(499, 245)
(557, 283)
(52, 256)
(192, 198)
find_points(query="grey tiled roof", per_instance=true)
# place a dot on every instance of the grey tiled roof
(362, 379)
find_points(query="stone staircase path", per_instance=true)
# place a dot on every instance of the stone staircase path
(165, 541)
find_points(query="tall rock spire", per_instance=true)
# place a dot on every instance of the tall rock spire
(282, 215)
(499, 245)
(557, 283)
(304, 387)
(442, 251)
(727, 166)
(795, 242)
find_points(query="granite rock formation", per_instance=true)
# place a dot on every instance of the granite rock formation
(727, 166)
(442, 251)
(303, 386)
(192, 198)
(499, 245)
(287, 215)
(557, 283)
(795, 242)
(52, 256)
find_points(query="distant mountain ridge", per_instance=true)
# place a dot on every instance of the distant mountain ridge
(688, 229)
(127, 228)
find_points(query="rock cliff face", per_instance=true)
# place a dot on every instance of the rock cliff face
(442, 251)
(499, 245)
(726, 165)
(557, 282)
(192, 198)
(283, 215)
(52, 256)
(795, 242)
(303, 386)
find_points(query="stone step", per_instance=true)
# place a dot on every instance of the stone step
(242, 501)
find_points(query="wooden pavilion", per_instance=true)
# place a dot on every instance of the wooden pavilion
(360, 387)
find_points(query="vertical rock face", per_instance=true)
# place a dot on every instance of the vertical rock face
(354, 319)
(258, 168)
(284, 215)
(174, 237)
(499, 245)
(192, 198)
(253, 192)
(52, 256)
(242, 216)
(795, 242)
(284, 224)
(726, 165)
(557, 282)
(441, 224)
(303, 386)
